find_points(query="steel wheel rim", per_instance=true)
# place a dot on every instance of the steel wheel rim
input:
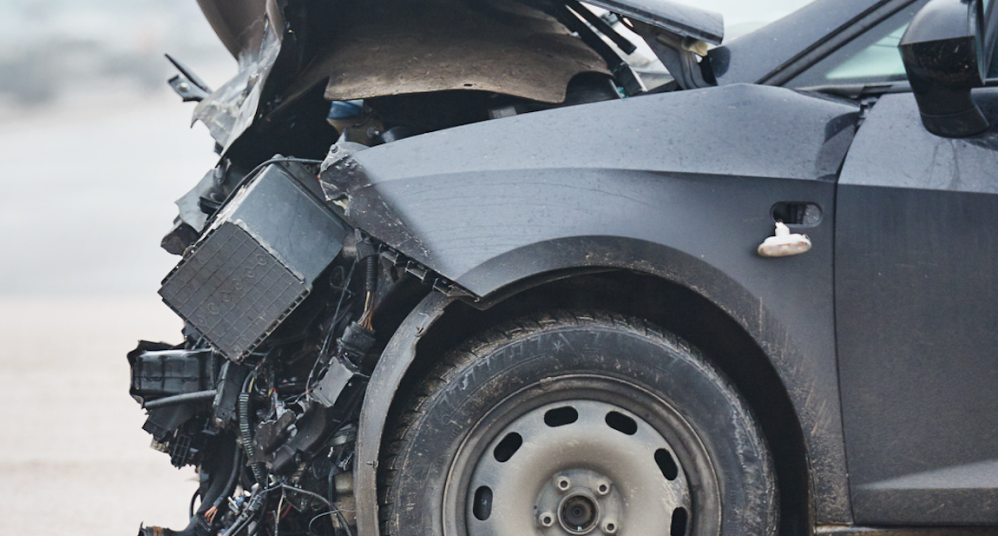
(640, 499)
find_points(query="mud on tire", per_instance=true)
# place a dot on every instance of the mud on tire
(574, 423)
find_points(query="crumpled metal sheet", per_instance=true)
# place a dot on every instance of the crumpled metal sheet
(400, 47)
(238, 24)
(231, 109)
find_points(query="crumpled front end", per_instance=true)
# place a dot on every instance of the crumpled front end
(533, 51)
(287, 303)
(278, 296)
(366, 49)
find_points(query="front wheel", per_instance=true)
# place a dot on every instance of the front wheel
(571, 424)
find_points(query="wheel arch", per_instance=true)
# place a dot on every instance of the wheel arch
(438, 324)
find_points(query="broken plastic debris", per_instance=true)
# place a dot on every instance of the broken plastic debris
(784, 243)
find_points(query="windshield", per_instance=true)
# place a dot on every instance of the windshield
(741, 17)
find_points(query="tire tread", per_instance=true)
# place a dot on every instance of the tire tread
(409, 410)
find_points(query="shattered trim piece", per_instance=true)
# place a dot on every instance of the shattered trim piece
(438, 282)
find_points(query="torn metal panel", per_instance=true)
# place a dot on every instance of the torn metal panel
(239, 25)
(231, 109)
(400, 47)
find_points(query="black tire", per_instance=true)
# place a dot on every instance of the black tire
(488, 444)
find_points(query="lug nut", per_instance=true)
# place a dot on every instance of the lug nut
(563, 483)
(546, 519)
(609, 526)
(603, 488)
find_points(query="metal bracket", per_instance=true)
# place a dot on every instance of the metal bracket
(679, 55)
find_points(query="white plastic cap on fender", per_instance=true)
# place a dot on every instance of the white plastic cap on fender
(784, 243)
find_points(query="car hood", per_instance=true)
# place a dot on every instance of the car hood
(240, 25)
(262, 40)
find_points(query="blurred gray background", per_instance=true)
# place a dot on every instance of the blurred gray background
(94, 149)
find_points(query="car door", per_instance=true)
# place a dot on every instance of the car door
(916, 291)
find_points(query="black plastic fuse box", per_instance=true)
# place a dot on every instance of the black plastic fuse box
(255, 263)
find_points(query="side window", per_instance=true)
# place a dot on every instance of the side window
(871, 58)
(880, 61)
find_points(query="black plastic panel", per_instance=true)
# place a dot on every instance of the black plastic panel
(232, 290)
(171, 372)
(256, 263)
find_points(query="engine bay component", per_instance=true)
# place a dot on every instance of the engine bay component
(158, 373)
(336, 379)
(256, 262)
(176, 400)
(229, 386)
(502, 47)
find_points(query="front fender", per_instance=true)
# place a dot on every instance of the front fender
(679, 185)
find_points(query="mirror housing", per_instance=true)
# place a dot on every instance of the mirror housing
(944, 54)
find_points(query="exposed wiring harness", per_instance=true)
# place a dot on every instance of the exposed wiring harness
(331, 509)
(245, 429)
(370, 286)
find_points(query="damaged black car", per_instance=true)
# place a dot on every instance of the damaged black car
(537, 267)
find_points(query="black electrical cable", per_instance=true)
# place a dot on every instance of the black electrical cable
(238, 526)
(230, 485)
(215, 487)
(190, 509)
(247, 436)
(325, 501)
(176, 400)
(246, 432)
(341, 521)
(256, 502)
(323, 355)
(259, 522)
(326, 513)
(336, 313)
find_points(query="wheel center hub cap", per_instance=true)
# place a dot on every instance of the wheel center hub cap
(576, 468)
(579, 512)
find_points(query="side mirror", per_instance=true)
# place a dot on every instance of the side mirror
(944, 54)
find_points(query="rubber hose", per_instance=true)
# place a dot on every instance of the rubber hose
(176, 400)
(247, 436)
(217, 485)
(198, 526)
(230, 486)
